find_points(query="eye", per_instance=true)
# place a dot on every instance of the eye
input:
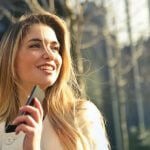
(55, 48)
(35, 45)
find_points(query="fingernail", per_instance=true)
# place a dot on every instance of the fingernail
(17, 132)
(13, 122)
(20, 108)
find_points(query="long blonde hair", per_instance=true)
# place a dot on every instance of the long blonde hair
(61, 99)
(59, 103)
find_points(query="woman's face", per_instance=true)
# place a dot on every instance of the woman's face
(38, 60)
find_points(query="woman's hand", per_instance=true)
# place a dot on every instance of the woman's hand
(31, 125)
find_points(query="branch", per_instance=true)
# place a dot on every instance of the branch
(8, 14)
(130, 66)
(34, 6)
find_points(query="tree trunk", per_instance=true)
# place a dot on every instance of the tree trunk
(136, 74)
(114, 97)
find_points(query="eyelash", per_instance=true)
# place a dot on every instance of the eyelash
(35, 46)
(55, 48)
(40, 46)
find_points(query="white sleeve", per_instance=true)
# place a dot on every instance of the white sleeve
(92, 126)
(10, 141)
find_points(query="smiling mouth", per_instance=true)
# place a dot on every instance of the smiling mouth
(46, 68)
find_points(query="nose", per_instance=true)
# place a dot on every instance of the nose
(48, 54)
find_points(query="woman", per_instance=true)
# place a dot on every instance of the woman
(36, 51)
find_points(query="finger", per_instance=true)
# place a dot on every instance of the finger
(37, 105)
(24, 119)
(24, 128)
(29, 110)
(33, 111)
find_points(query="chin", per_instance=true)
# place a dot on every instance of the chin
(46, 85)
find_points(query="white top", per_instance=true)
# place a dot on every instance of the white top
(90, 123)
(11, 141)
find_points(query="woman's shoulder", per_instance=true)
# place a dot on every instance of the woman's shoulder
(92, 125)
(88, 110)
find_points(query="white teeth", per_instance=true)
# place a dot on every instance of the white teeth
(46, 68)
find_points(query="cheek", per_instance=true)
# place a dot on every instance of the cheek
(22, 65)
(20, 69)
(59, 62)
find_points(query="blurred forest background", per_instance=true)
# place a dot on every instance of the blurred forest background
(111, 52)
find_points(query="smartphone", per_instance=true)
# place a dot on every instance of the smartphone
(35, 92)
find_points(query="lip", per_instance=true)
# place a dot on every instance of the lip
(47, 67)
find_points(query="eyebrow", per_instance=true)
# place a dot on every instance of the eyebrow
(35, 39)
(39, 40)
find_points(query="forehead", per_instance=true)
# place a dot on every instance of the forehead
(40, 31)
